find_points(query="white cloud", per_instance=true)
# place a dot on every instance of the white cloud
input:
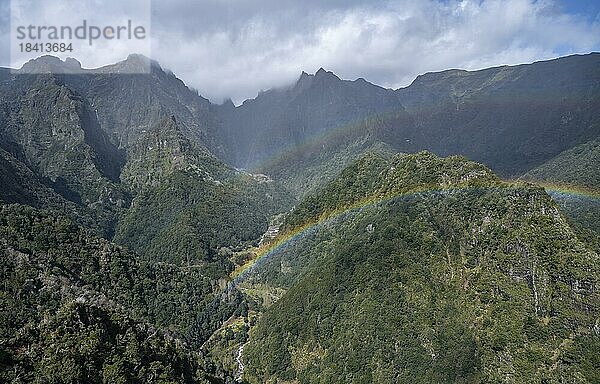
(388, 43)
(227, 48)
(98, 14)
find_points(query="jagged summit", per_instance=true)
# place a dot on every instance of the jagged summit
(51, 64)
(134, 63)
(322, 74)
(304, 76)
(282, 117)
(304, 81)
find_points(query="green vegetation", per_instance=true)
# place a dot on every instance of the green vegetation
(161, 194)
(311, 166)
(376, 176)
(18, 184)
(583, 211)
(577, 167)
(480, 284)
(111, 317)
(121, 229)
(186, 219)
(188, 205)
(83, 343)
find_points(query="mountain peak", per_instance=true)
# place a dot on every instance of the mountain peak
(139, 63)
(51, 64)
(228, 103)
(138, 58)
(134, 63)
(306, 80)
(323, 74)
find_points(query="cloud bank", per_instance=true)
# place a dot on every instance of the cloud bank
(227, 48)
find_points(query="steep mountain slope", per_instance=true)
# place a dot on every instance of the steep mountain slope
(579, 167)
(189, 204)
(511, 118)
(100, 138)
(54, 123)
(307, 168)
(445, 274)
(53, 133)
(79, 309)
(398, 268)
(163, 149)
(19, 184)
(127, 104)
(127, 156)
(283, 119)
(187, 219)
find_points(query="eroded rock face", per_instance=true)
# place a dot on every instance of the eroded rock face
(54, 132)
(100, 137)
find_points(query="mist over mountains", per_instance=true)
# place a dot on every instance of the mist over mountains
(315, 230)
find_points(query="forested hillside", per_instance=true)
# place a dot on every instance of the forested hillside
(79, 309)
(149, 183)
(468, 279)
(573, 178)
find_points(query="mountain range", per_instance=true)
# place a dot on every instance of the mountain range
(509, 118)
(315, 230)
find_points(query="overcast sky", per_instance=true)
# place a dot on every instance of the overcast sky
(228, 48)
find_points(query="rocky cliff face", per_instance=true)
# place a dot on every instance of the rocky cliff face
(54, 132)
(511, 118)
(281, 120)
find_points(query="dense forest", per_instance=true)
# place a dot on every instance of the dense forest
(469, 280)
